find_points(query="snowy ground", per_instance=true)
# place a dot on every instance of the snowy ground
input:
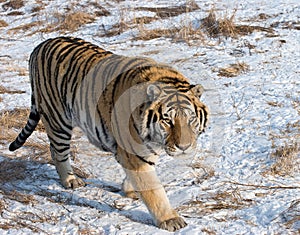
(234, 185)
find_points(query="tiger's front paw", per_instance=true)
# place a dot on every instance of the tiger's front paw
(173, 224)
(71, 181)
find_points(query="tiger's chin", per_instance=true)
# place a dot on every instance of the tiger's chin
(178, 153)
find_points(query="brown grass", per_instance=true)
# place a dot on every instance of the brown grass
(211, 25)
(166, 12)
(291, 216)
(275, 104)
(222, 200)
(11, 171)
(3, 23)
(13, 4)
(233, 70)
(16, 119)
(178, 33)
(15, 13)
(226, 26)
(20, 197)
(67, 22)
(286, 160)
(72, 21)
(4, 90)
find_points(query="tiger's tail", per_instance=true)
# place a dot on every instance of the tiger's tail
(31, 124)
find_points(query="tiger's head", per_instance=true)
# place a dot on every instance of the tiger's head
(175, 118)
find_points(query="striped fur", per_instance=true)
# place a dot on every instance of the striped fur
(133, 107)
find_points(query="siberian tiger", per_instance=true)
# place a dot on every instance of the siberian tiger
(132, 107)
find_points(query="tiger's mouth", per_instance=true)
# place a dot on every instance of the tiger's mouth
(177, 151)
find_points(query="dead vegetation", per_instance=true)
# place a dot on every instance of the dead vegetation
(16, 118)
(3, 23)
(226, 26)
(22, 219)
(291, 216)
(286, 160)
(13, 4)
(161, 13)
(4, 90)
(233, 70)
(77, 16)
(69, 21)
(11, 123)
(11, 171)
(166, 12)
(221, 200)
(211, 25)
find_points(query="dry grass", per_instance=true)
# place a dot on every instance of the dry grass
(16, 119)
(226, 26)
(63, 23)
(3, 23)
(70, 21)
(286, 160)
(4, 90)
(13, 4)
(11, 171)
(211, 25)
(291, 216)
(24, 219)
(18, 196)
(233, 70)
(222, 200)
(201, 172)
(166, 12)
(178, 33)
(275, 104)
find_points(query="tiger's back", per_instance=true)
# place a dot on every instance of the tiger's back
(133, 107)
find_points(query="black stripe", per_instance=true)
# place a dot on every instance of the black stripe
(142, 159)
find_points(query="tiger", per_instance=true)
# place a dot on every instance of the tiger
(133, 107)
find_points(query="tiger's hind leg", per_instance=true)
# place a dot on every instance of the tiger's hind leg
(60, 152)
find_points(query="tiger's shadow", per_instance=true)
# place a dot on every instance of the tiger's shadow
(26, 177)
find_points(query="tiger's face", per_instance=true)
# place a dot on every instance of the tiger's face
(175, 118)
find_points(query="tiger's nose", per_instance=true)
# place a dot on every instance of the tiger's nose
(183, 146)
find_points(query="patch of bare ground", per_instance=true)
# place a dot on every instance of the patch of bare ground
(233, 70)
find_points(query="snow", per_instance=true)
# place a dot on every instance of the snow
(227, 187)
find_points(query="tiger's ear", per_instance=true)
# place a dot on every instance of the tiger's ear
(153, 91)
(197, 90)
